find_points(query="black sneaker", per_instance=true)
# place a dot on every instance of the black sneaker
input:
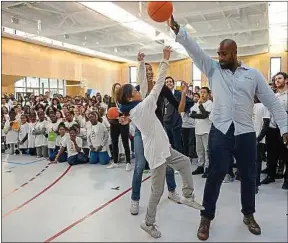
(198, 171)
(267, 180)
(264, 171)
(279, 176)
(285, 185)
(205, 175)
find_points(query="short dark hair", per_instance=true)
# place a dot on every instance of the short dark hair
(207, 89)
(170, 78)
(124, 94)
(285, 75)
(196, 94)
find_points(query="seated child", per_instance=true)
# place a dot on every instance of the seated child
(58, 154)
(73, 144)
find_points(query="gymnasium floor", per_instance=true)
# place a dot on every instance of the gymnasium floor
(77, 204)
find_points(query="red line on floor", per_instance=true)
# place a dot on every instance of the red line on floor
(26, 183)
(90, 214)
(40, 193)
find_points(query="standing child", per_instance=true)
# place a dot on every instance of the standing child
(31, 136)
(52, 128)
(23, 134)
(98, 140)
(11, 129)
(157, 149)
(40, 132)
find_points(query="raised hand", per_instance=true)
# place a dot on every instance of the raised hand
(167, 52)
(140, 56)
(184, 87)
(173, 25)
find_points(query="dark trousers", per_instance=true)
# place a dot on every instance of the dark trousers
(260, 158)
(115, 131)
(189, 142)
(77, 159)
(274, 150)
(175, 139)
(221, 147)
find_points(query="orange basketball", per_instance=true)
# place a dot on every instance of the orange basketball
(112, 113)
(160, 11)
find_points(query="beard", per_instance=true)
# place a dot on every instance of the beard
(225, 65)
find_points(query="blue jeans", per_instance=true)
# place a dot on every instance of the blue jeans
(221, 147)
(175, 138)
(53, 153)
(77, 159)
(99, 157)
(140, 162)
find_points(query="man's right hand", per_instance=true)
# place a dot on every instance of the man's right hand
(167, 52)
(173, 25)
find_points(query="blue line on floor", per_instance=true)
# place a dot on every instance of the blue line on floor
(28, 163)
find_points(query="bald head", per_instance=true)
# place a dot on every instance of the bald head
(227, 53)
(228, 43)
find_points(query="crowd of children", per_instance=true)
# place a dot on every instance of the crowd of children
(61, 129)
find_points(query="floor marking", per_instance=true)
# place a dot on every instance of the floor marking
(27, 163)
(90, 214)
(37, 195)
(31, 179)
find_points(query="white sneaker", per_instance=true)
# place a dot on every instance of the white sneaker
(134, 209)
(112, 165)
(192, 203)
(128, 167)
(174, 196)
(177, 172)
(151, 230)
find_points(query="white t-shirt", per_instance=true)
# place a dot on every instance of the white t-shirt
(155, 140)
(11, 135)
(71, 151)
(41, 140)
(70, 124)
(283, 98)
(259, 113)
(31, 137)
(202, 126)
(60, 139)
(98, 136)
(187, 121)
(24, 130)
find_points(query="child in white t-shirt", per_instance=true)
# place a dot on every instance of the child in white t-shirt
(31, 136)
(73, 144)
(11, 129)
(157, 149)
(201, 112)
(40, 132)
(60, 155)
(23, 134)
(98, 141)
(52, 129)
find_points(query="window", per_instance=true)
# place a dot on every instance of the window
(275, 65)
(196, 76)
(133, 75)
(36, 86)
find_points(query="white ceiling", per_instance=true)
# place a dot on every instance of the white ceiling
(210, 22)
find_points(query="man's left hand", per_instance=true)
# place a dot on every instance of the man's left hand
(285, 138)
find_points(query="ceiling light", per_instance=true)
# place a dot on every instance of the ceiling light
(130, 21)
(58, 44)
(121, 16)
(14, 20)
(277, 13)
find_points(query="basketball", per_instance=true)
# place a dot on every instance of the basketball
(160, 11)
(112, 113)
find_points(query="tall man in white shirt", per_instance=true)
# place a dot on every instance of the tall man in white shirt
(234, 86)
(276, 150)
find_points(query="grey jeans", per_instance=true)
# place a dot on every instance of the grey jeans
(42, 151)
(178, 162)
(202, 150)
